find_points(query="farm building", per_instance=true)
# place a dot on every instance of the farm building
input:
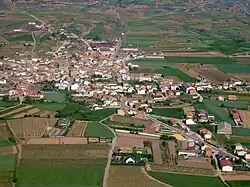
(224, 128)
(226, 165)
(64, 123)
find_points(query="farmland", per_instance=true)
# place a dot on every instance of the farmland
(95, 129)
(30, 127)
(187, 180)
(8, 162)
(234, 68)
(5, 179)
(245, 117)
(170, 112)
(5, 136)
(50, 106)
(131, 176)
(78, 129)
(200, 60)
(57, 165)
(238, 183)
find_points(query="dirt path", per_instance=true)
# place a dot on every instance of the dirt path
(19, 153)
(147, 175)
(106, 173)
(34, 44)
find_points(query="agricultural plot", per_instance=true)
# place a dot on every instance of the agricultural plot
(55, 96)
(8, 162)
(97, 115)
(78, 129)
(234, 68)
(200, 60)
(240, 131)
(228, 104)
(12, 108)
(245, 117)
(50, 106)
(95, 129)
(17, 110)
(221, 114)
(5, 136)
(58, 140)
(5, 179)
(170, 112)
(29, 112)
(130, 120)
(30, 127)
(187, 180)
(239, 183)
(125, 176)
(62, 165)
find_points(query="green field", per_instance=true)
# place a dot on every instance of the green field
(60, 176)
(50, 106)
(170, 112)
(8, 162)
(234, 68)
(240, 131)
(97, 115)
(228, 104)
(95, 129)
(238, 183)
(55, 96)
(181, 180)
(96, 32)
(25, 37)
(151, 62)
(10, 109)
(200, 60)
(221, 114)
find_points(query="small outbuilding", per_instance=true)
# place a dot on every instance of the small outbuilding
(224, 128)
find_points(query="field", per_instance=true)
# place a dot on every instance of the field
(5, 135)
(29, 112)
(131, 140)
(59, 164)
(5, 179)
(240, 131)
(8, 162)
(55, 96)
(245, 117)
(130, 120)
(95, 129)
(78, 129)
(200, 60)
(221, 114)
(125, 176)
(239, 183)
(49, 106)
(97, 115)
(170, 112)
(187, 180)
(234, 68)
(30, 127)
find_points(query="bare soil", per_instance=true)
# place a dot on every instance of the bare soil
(157, 152)
(78, 129)
(8, 150)
(245, 117)
(29, 112)
(16, 111)
(64, 140)
(131, 140)
(234, 177)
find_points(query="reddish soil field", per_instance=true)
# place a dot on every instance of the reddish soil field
(235, 177)
(157, 152)
(245, 117)
(131, 140)
(78, 129)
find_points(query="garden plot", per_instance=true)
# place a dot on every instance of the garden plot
(130, 120)
(245, 117)
(78, 129)
(61, 140)
(30, 127)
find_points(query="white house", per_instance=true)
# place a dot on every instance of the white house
(226, 165)
(130, 161)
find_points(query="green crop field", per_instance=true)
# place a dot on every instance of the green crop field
(181, 180)
(238, 183)
(26, 38)
(8, 162)
(240, 131)
(234, 68)
(60, 176)
(50, 106)
(170, 112)
(221, 114)
(55, 96)
(97, 115)
(95, 129)
(200, 60)
(5, 179)
(228, 104)
(151, 62)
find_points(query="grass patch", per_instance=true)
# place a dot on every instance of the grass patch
(60, 176)
(240, 131)
(55, 96)
(234, 68)
(8, 162)
(200, 60)
(7, 103)
(180, 180)
(97, 115)
(25, 37)
(96, 32)
(229, 104)
(50, 106)
(238, 183)
(170, 112)
(95, 129)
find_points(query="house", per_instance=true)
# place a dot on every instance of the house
(224, 128)
(238, 147)
(226, 165)
(207, 134)
(122, 112)
(208, 152)
(221, 98)
(247, 156)
(130, 161)
(232, 97)
(64, 123)
(189, 153)
(189, 115)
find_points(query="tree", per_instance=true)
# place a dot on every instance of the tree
(5, 98)
(28, 100)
